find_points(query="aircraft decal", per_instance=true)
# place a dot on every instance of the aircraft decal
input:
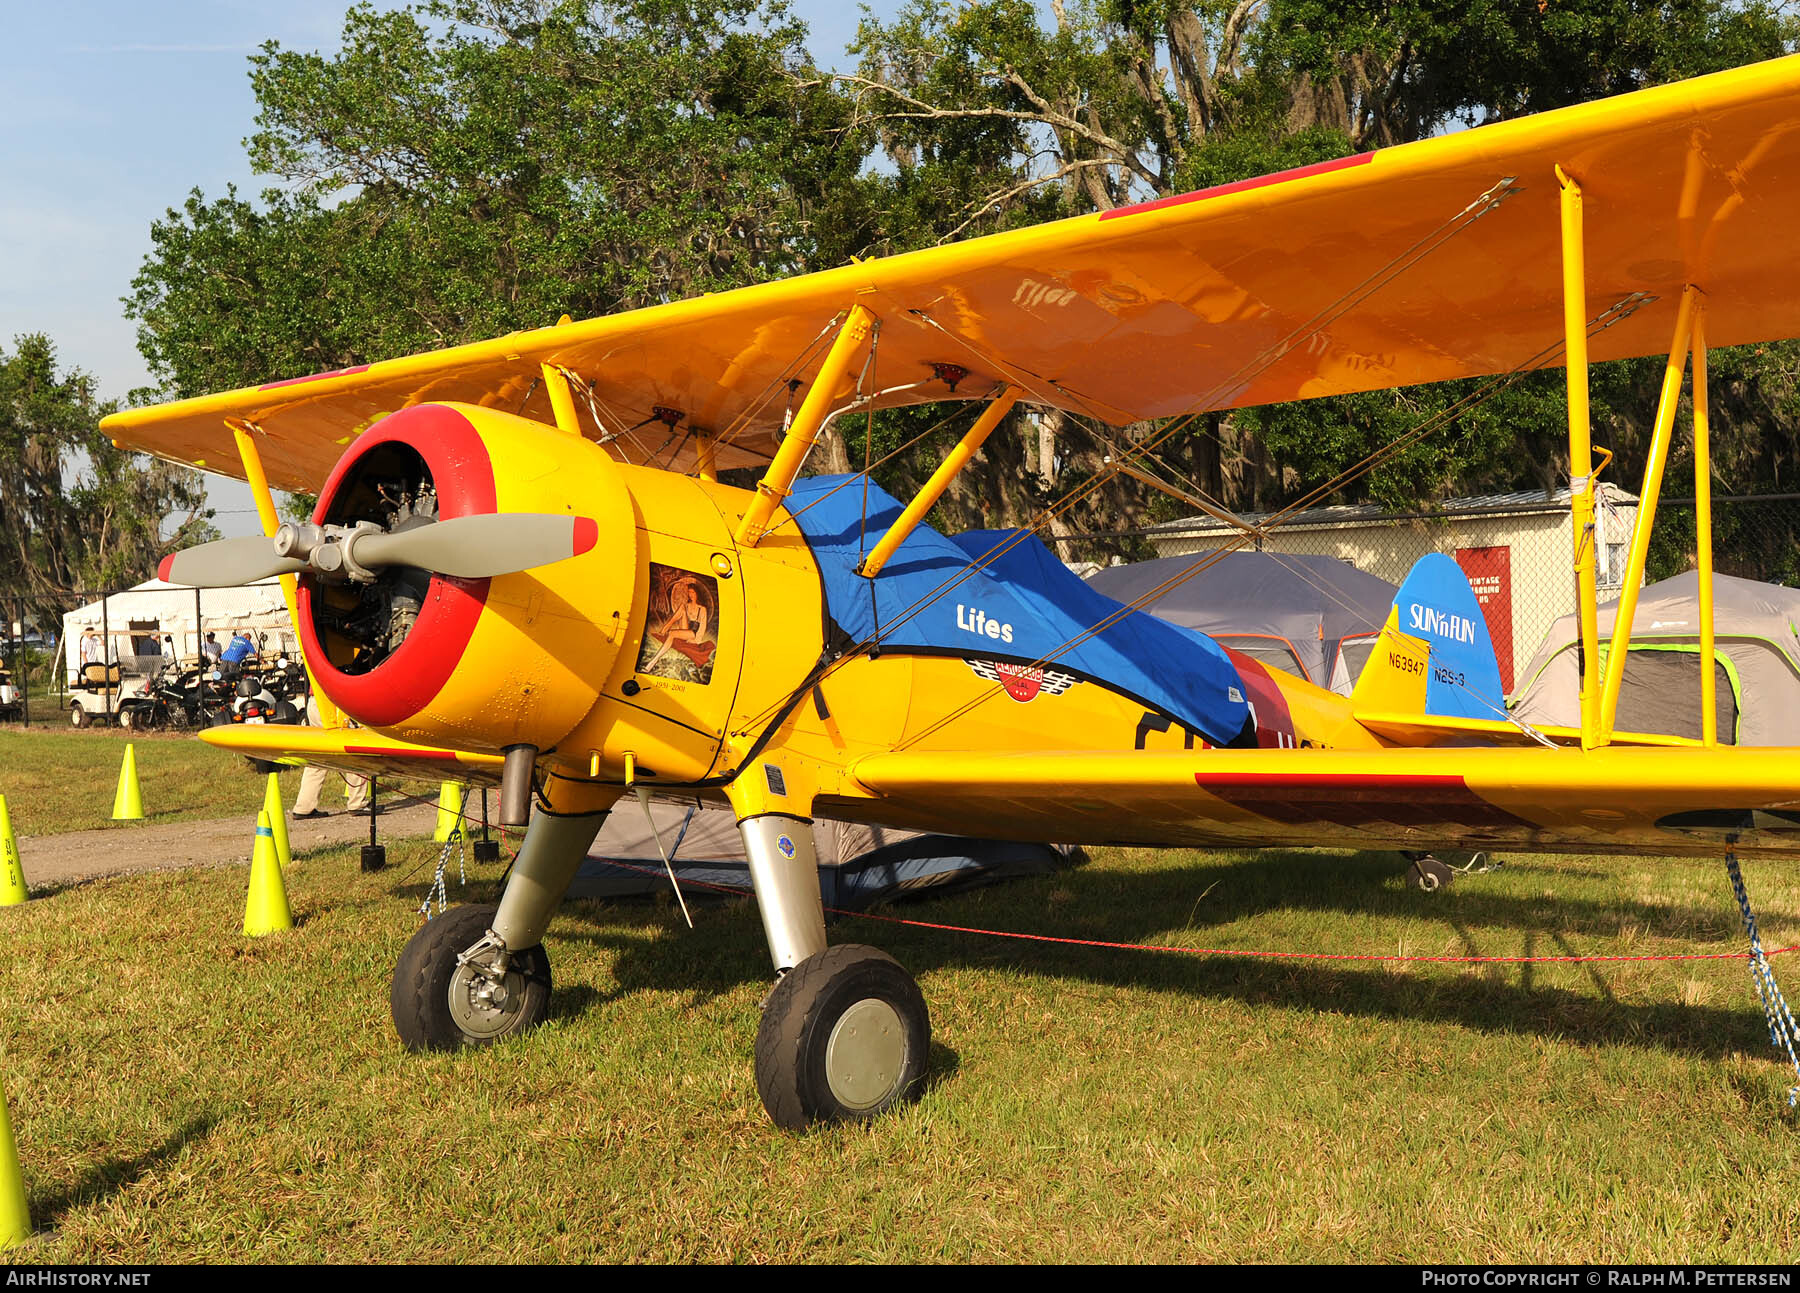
(684, 625)
(1356, 800)
(1023, 682)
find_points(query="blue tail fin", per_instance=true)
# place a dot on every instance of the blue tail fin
(1436, 605)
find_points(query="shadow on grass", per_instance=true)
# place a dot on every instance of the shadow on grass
(726, 951)
(115, 1174)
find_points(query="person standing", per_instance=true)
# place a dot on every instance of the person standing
(240, 649)
(212, 649)
(312, 781)
(90, 648)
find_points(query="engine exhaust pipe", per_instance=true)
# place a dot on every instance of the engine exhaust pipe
(515, 784)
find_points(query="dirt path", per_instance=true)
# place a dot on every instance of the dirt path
(84, 855)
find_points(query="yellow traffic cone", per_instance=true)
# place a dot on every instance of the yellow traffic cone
(15, 1216)
(266, 909)
(278, 821)
(128, 802)
(12, 875)
(450, 813)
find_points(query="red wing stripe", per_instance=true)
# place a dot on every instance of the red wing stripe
(1356, 800)
(442, 756)
(1240, 186)
(313, 377)
(1345, 780)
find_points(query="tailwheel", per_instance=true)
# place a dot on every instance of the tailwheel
(1427, 874)
(844, 1037)
(451, 989)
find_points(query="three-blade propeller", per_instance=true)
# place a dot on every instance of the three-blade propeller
(465, 547)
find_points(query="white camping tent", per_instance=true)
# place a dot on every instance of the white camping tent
(858, 865)
(1756, 663)
(135, 621)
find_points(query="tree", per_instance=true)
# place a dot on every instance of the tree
(78, 516)
(468, 168)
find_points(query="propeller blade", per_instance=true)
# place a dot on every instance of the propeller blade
(226, 563)
(476, 547)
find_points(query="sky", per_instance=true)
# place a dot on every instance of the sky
(110, 112)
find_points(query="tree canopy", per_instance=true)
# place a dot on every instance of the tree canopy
(77, 516)
(468, 167)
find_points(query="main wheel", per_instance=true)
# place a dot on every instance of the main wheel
(844, 1037)
(440, 1005)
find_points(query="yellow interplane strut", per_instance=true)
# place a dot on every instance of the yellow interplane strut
(934, 488)
(1709, 718)
(265, 512)
(798, 442)
(1581, 456)
(1646, 517)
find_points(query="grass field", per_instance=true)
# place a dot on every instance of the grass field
(182, 1093)
(58, 780)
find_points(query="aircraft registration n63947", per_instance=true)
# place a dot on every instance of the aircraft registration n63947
(523, 564)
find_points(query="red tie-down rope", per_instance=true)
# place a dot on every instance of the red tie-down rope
(739, 891)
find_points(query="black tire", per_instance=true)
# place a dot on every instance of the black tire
(1428, 875)
(426, 1015)
(846, 995)
(79, 716)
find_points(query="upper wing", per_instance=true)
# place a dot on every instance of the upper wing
(356, 750)
(1663, 801)
(1217, 299)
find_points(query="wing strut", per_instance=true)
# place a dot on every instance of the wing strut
(798, 441)
(1657, 459)
(265, 512)
(934, 488)
(1581, 456)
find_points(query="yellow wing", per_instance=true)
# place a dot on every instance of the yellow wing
(1660, 801)
(1217, 299)
(356, 750)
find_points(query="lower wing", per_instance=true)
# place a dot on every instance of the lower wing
(356, 750)
(1660, 801)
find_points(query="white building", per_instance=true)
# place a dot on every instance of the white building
(135, 621)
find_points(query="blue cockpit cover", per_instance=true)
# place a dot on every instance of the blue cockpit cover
(1025, 607)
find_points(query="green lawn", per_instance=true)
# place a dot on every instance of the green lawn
(182, 1093)
(60, 779)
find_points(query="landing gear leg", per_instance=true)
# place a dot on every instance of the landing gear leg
(845, 1033)
(477, 974)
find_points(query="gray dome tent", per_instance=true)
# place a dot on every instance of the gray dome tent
(858, 865)
(1756, 662)
(1313, 616)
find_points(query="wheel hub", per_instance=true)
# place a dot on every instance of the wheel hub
(485, 1003)
(866, 1054)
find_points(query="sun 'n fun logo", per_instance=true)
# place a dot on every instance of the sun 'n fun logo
(1023, 682)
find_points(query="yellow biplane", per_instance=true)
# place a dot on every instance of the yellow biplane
(523, 567)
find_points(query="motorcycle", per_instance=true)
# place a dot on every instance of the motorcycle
(173, 699)
(255, 701)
